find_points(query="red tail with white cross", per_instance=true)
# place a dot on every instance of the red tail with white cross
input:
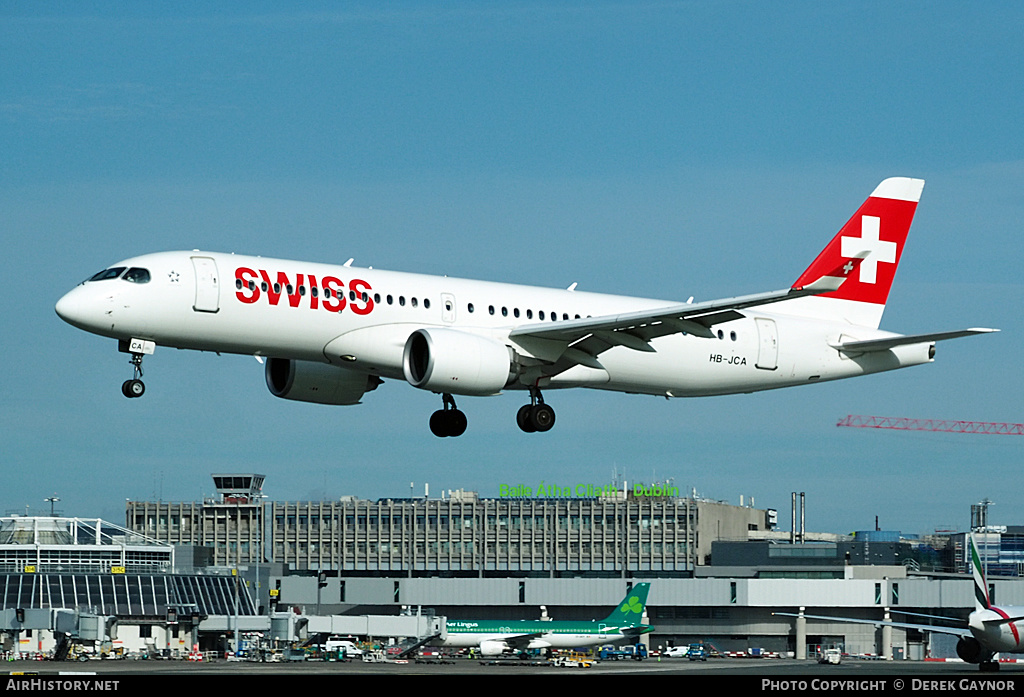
(875, 235)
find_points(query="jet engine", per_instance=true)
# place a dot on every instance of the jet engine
(456, 362)
(492, 648)
(321, 383)
(969, 649)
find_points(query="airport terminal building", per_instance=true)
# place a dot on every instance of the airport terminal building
(719, 572)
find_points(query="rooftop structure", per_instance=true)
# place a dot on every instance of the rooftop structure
(45, 544)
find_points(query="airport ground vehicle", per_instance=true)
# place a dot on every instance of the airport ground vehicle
(696, 652)
(572, 660)
(830, 657)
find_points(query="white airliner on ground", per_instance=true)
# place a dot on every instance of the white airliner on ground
(332, 333)
(990, 630)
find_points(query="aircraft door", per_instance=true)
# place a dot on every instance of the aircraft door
(768, 344)
(447, 308)
(207, 285)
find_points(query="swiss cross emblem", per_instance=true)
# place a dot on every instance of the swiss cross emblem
(878, 250)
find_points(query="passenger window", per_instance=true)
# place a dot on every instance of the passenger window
(470, 307)
(415, 302)
(426, 303)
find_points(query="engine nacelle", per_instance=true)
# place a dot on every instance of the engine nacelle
(321, 383)
(969, 649)
(492, 648)
(448, 360)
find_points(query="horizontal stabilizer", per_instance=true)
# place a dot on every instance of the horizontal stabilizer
(1002, 620)
(894, 341)
(936, 629)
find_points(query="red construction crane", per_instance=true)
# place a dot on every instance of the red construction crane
(941, 425)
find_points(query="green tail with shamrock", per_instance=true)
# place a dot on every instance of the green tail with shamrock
(630, 609)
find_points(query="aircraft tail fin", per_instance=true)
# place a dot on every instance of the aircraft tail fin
(862, 258)
(630, 609)
(981, 598)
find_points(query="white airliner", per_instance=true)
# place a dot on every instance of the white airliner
(990, 630)
(332, 333)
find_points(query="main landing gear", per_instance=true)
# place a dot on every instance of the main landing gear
(134, 387)
(535, 416)
(449, 421)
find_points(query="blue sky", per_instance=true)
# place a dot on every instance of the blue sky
(662, 149)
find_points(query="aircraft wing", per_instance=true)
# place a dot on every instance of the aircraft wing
(580, 341)
(894, 341)
(955, 631)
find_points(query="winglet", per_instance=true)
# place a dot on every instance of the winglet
(831, 280)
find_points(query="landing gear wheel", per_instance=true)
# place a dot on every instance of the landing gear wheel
(523, 418)
(542, 417)
(536, 416)
(133, 388)
(438, 423)
(457, 423)
(449, 422)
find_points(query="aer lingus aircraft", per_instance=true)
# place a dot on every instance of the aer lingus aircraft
(990, 631)
(494, 637)
(329, 334)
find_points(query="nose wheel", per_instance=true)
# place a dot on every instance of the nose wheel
(448, 422)
(134, 387)
(535, 417)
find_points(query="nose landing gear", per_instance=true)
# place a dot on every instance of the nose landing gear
(137, 348)
(134, 387)
(449, 421)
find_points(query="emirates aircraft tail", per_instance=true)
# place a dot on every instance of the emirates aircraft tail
(866, 251)
(981, 599)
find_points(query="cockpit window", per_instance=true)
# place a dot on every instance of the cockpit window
(137, 275)
(107, 274)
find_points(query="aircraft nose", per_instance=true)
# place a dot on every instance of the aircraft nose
(74, 309)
